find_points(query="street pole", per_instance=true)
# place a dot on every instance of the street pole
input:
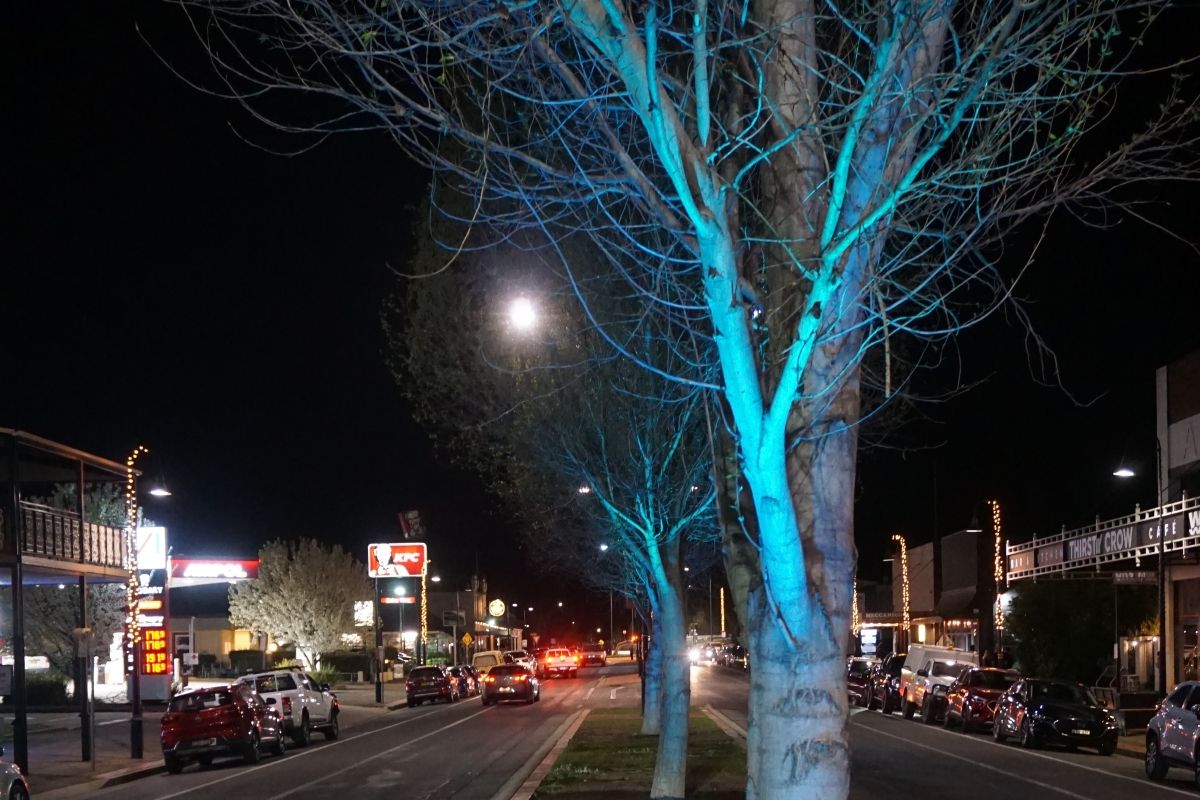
(1161, 659)
(610, 619)
(378, 648)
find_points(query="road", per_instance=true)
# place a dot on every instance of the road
(892, 757)
(462, 750)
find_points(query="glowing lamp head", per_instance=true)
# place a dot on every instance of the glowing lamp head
(1124, 472)
(522, 314)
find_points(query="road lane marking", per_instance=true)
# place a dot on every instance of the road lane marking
(524, 782)
(293, 755)
(374, 756)
(589, 695)
(613, 694)
(1047, 786)
(731, 728)
(1048, 757)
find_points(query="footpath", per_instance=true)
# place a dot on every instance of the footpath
(57, 771)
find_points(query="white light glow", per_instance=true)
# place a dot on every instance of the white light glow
(1124, 472)
(522, 314)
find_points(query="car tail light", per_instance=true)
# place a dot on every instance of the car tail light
(287, 706)
(520, 677)
(410, 685)
(488, 679)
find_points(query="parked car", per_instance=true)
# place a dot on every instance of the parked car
(858, 684)
(885, 683)
(732, 655)
(468, 680)
(484, 660)
(971, 700)
(229, 720)
(592, 655)
(521, 657)
(1173, 734)
(926, 675)
(1040, 712)
(557, 661)
(431, 683)
(510, 682)
(303, 704)
(12, 782)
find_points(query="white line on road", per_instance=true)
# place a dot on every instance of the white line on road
(380, 754)
(613, 694)
(290, 758)
(589, 695)
(1103, 772)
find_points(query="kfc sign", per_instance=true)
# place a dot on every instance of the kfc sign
(405, 560)
(231, 570)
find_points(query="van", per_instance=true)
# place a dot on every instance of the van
(927, 672)
(484, 660)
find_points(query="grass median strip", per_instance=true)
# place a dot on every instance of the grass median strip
(609, 758)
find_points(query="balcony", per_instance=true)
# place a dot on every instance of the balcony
(61, 537)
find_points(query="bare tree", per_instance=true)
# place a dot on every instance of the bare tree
(800, 182)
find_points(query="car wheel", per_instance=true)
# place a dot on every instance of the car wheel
(279, 746)
(910, 708)
(998, 730)
(18, 792)
(1027, 740)
(251, 754)
(537, 696)
(530, 700)
(331, 730)
(1196, 766)
(889, 703)
(174, 765)
(1107, 749)
(947, 719)
(872, 703)
(927, 715)
(303, 734)
(1156, 765)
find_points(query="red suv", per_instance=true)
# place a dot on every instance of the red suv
(971, 700)
(230, 720)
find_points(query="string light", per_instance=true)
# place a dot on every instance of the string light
(904, 608)
(855, 622)
(997, 562)
(133, 633)
(424, 611)
(722, 596)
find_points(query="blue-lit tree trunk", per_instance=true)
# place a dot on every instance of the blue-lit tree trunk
(793, 184)
(652, 670)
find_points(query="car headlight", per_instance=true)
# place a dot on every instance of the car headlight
(1110, 722)
(694, 654)
(939, 690)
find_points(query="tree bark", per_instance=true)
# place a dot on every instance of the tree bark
(653, 669)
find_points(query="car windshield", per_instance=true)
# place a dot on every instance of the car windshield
(592, 648)
(1072, 693)
(945, 669)
(200, 700)
(859, 667)
(986, 679)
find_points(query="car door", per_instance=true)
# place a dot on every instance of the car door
(1009, 707)
(1175, 719)
(313, 699)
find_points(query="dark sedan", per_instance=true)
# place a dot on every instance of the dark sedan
(884, 683)
(1040, 712)
(971, 700)
(858, 680)
(510, 682)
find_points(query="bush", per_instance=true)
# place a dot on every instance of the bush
(45, 689)
(350, 661)
(324, 675)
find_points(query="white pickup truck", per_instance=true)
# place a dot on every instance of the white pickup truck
(303, 705)
(927, 672)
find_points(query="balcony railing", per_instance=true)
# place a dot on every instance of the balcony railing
(62, 536)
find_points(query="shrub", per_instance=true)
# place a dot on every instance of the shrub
(45, 689)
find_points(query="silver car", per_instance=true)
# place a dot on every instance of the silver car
(12, 782)
(1173, 735)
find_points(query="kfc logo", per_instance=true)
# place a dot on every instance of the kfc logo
(404, 560)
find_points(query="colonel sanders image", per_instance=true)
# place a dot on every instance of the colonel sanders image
(382, 555)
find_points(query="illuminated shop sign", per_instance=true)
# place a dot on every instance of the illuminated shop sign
(396, 560)
(227, 569)
(152, 620)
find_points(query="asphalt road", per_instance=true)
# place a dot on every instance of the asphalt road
(894, 758)
(461, 750)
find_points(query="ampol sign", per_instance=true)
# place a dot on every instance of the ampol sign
(402, 560)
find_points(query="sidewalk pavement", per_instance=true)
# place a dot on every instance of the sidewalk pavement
(57, 773)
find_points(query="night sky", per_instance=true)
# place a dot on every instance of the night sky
(167, 283)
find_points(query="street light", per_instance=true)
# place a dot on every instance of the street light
(1125, 472)
(522, 314)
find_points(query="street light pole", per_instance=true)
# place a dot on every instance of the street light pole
(378, 647)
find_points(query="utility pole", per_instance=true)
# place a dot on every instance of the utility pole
(378, 648)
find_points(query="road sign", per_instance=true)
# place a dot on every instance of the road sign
(467, 639)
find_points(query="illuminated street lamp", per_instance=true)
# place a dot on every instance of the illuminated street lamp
(1124, 472)
(522, 314)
